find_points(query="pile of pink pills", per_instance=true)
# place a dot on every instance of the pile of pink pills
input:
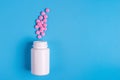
(41, 23)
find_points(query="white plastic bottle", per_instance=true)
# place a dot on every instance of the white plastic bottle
(40, 58)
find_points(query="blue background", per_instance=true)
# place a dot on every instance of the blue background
(83, 35)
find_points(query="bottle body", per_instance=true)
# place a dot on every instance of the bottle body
(40, 58)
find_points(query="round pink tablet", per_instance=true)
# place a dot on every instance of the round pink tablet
(44, 20)
(39, 36)
(47, 10)
(45, 16)
(41, 26)
(41, 22)
(36, 26)
(37, 21)
(41, 30)
(42, 13)
(43, 34)
(40, 17)
(38, 32)
(45, 29)
(44, 25)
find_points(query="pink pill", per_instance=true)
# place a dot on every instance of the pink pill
(41, 22)
(40, 17)
(38, 32)
(37, 21)
(43, 34)
(47, 10)
(39, 36)
(36, 26)
(45, 29)
(41, 26)
(45, 25)
(45, 16)
(44, 20)
(41, 30)
(42, 13)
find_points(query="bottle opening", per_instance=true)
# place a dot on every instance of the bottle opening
(40, 44)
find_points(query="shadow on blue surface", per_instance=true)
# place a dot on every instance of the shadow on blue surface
(27, 56)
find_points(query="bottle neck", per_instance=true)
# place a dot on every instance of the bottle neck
(40, 44)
